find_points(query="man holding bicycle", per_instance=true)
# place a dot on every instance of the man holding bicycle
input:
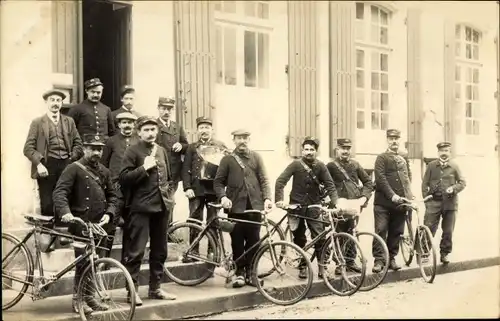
(311, 184)
(85, 190)
(392, 183)
(241, 183)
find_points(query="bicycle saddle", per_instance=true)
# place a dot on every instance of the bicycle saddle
(39, 218)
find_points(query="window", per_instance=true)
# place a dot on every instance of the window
(248, 65)
(372, 67)
(467, 79)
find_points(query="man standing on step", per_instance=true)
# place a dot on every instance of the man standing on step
(91, 116)
(112, 158)
(244, 174)
(127, 97)
(311, 185)
(173, 138)
(443, 180)
(392, 183)
(146, 177)
(85, 190)
(198, 174)
(52, 143)
(351, 182)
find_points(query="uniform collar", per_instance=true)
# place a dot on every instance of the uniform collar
(245, 154)
(164, 123)
(341, 161)
(51, 116)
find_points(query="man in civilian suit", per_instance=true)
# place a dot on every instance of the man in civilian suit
(127, 97)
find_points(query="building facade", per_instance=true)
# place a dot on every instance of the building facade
(283, 70)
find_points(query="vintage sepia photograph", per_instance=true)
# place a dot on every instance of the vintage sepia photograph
(207, 160)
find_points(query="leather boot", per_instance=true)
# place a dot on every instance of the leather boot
(138, 301)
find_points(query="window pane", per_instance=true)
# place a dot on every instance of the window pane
(475, 52)
(475, 37)
(384, 62)
(375, 101)
(360, 119)
(360, 79)
(468, 110)
(360, 10)
(457, 91)
(468, 126)
(468, 76)
(384, 37)
(374, 11)
(468, 53)
(263, 58)
(360, 30)
(218, 54)
(360, 99)
(374, 33)
(475, 93)
(360, 58)
(457, 73)
(375, 80)
(263, 10)
(476, 111)
(384, 121)
(468, 34)
(458, 47)
(375, 120)
(468, 92)
(384, 98)
(384, 81)
(475, 127)
(230, 56)
(250, 59)
(475, 76)
(249, 8)
(457, 32)
(375, 61)
(230, 6)
(383, 17)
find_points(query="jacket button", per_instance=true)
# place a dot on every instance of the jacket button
(88, 187)
(87, 208)
(87, 198)
(86, 177)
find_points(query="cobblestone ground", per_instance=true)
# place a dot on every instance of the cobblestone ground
(470, 294)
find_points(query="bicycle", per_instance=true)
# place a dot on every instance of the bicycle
(213, 230)
(41, 285)
(330, 217)
(419, 242)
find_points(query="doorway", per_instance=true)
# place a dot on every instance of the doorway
(106, 43)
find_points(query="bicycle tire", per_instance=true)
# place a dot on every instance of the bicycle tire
(366, 286)
(406, 244)
(29, 267)
(281, 234)
(129, 285)
(325, 254)
(427, 278)
(261, 287)
(213, 243)
(289, 237)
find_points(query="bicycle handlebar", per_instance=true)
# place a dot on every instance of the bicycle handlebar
(219, 206)
(413, 203)
(97, 228)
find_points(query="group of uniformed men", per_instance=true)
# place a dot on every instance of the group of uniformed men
(128, 167)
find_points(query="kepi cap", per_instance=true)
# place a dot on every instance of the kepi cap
(240, 132)
(126, 115)
(53, 92)
(203, 120)
(393, 133)
(311, 140)
(166, 101)
(94, 82)
(143, 120)
(127, 89)
(443, 145)
(93, 140)
(344, 142)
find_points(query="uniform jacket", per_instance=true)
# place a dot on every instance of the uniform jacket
(37, 142)
(191, 169)
(78, 193)
(305, 190)
(241, 185)
(113, 152)
(438, 178)
(93, 118)
(355, 171)
(392, 176)
(120, 110)
(167, 137)
(148, 190)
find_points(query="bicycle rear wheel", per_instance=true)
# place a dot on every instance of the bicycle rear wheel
(379, 254)
(109, 301)
(291, 290)
(19, 265)
(426, 254)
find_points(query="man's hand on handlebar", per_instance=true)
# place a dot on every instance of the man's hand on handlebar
(226, 203)
(104, 220)
(280, 204)
(68, 217)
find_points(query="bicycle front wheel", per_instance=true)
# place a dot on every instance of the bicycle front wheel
(17, 270)
(379, 258)
(103, 287)
(426, 254)
(283, 286)
(277, 235)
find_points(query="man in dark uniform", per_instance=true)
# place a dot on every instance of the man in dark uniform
(85, 190)
(392, 182)
(351, 182)
(127, 97)
(243, 171)
(146, 177)
(311, 184)
(112, 158)
(198, 174)
(173, 138)
(443, 180)
(52, 143)
(91, 116)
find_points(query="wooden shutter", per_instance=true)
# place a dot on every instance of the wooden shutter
(302, 73)
(413, 84)
(342, 72)
(450, 115)
(195, 61)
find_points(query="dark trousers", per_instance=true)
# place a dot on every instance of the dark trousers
(46, 185)
(243, 237)
(390, 226)
(196, 206)
(139, 227)
(76, 230)
(298, 228)
(349, 250)
(175, 186)
(431, 219)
